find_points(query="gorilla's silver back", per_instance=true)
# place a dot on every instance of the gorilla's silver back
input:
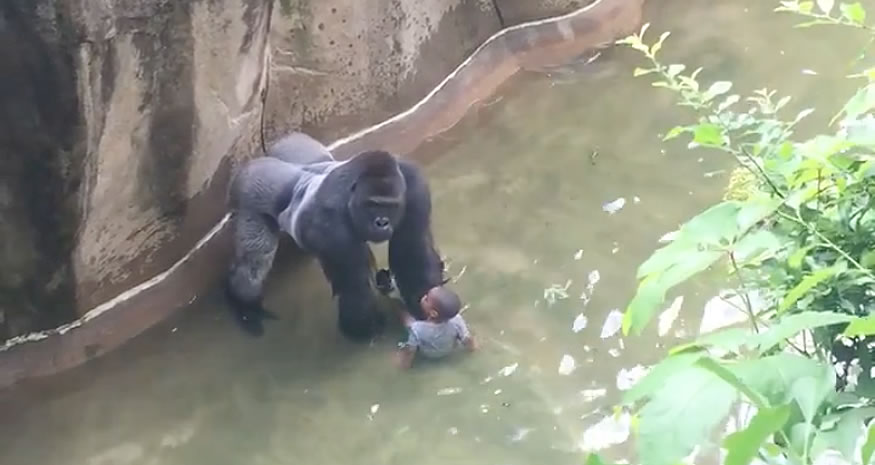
(291, 173)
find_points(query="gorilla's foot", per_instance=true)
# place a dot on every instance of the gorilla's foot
(250, 316)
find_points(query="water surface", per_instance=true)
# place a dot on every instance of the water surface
(520, 191)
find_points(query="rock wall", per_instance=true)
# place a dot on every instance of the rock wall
(123, 119)
(343, 64)
(120, 119)
(519, 11)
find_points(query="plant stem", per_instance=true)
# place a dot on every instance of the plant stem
(761, 172)
(745, 297)
(827, 242)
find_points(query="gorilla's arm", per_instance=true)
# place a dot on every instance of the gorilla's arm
(413, 259)
(349, 271)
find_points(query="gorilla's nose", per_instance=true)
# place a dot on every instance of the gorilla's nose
(381, 222)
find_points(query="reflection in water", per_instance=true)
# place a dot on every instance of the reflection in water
(519, 189)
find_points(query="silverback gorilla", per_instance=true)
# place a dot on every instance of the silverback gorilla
(332, 209)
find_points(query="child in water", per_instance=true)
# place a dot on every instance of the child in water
(440, 334)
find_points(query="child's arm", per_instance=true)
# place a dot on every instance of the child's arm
(464, 335)
(470, 343)
(407, 349)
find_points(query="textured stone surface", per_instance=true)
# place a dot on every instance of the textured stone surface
(343, 64)
(119, 122)
(519, 11)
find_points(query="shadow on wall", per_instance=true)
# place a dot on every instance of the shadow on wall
(41, 170)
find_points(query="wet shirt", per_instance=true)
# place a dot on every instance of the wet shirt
(435, 340)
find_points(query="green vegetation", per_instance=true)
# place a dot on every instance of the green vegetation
(800, 237)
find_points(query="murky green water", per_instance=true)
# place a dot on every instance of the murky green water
(517, 196)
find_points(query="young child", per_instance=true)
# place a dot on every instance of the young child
(441, 333)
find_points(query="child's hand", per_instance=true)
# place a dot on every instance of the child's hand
(470, 344)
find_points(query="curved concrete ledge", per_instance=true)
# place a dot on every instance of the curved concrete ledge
(541, 43)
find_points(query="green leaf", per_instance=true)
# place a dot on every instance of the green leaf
(783, 102)
(711, 227)
(642, 72)
(861, 102)
(644, 305)
(727, 375)
(730, 339)
(594, 459)
(861, 326)
(714, 226)
(718, 88)
(728, 102)
(755, 210)
(853, 12)
(869, 445)
(658, 45)
(674, 70)
(803, 114)
(811, 391)
(742, 446)
(806, 7)
(659, 374)
(652, 290)
(773, 376)
(825, 5)
(789, 325)
(756, 245)
(795, 259)
(667, 431)
(708, 134)
(843, 437)
(821, 147)
(868, 259)
(674, 132)
(808, 283)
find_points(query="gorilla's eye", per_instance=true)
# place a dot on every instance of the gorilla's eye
(381, 222)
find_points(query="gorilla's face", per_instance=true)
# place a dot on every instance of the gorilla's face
(375, 216)
(377, 202)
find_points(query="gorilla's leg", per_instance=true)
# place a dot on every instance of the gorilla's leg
(351, 276)
(255, 244)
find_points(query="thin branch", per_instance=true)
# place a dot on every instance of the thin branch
(745, 297)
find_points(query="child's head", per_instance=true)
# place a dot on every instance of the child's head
(440, 304)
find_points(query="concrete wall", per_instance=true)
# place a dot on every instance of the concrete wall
(119, 120)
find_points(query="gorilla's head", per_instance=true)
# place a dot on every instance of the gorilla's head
(377, 201)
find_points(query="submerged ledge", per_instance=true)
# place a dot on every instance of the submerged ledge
(534, 44)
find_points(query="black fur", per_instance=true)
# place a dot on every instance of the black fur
(332, 210)
(413, 258)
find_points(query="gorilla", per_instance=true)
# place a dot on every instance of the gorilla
(332, 210)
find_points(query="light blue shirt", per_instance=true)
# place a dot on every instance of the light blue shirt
(436, 340)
